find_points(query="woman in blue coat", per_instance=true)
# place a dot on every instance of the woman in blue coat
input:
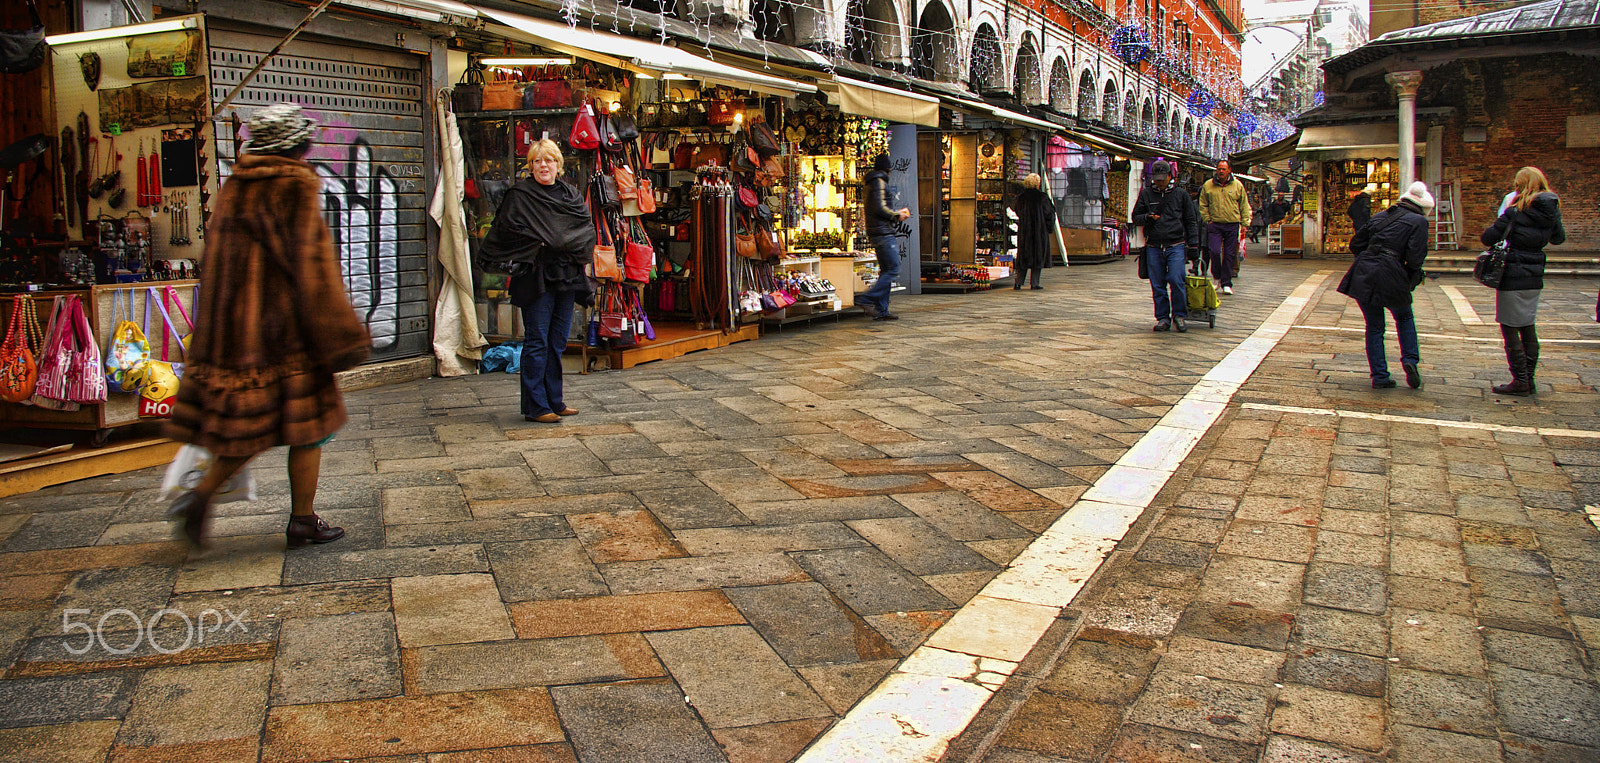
(1530, 222)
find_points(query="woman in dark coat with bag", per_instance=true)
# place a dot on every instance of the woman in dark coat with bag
(272, 327)
(1036, 214)
(544, 236)
(1389, 253)
(1530, 222)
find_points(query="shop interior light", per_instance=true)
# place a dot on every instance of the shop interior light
(670, 75)
(167, 25)
(526, 61)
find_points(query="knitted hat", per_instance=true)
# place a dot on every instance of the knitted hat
(278, 128)
(1160, 167)
(881, 163)
(1418, 194)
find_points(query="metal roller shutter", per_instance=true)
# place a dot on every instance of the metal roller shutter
(370, 155)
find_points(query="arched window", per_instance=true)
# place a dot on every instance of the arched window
(1108, 107)
(1130, 112)
(1188, 134)
(1061, 87)
(774, 20)
(933, 45)
(1088, 96)
(986, 74)
(872, 34)
(1147, 120)
(1025, 76)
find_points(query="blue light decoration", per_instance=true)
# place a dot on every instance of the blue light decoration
(1319, 99)
(1244, 123)
(1275, 132)
(1201, 104)
(1131, 43)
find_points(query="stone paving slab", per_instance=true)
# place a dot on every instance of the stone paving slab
(1345, 588)
(725, 552)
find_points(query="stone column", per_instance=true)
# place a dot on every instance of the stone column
(1405, 86)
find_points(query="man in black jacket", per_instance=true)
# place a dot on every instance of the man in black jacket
(884, 228)
(1170, 222)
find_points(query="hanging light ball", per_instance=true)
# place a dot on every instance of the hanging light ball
(1244, 123)
(1131, 43)
(1201, 104)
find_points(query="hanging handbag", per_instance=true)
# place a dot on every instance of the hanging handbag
(723, 113)
(547, 94)
(1490, 269)
(23, 50)
(71, 370)
(627, 185)
(467, 95)
(763, 140)
(128, 349)
(18, 373)
(640, 318)
(748, 198)
(769, 243)
(158, 379)
(744, 243)
(683, 155)
(710, 153)
(585, 135)
(603, 188)
(53, 333)
(503, 94)
(605, 253)
(638, 258)
(645, 195)
(609, 139)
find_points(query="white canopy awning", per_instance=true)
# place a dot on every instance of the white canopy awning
(639, 55)
(1378, 140)
(868, 100)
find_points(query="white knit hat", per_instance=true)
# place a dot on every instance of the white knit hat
(277, 128)
(1418, 194)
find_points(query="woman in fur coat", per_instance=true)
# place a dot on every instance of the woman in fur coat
(272, 327)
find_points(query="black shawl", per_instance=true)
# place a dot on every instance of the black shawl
(544, 237)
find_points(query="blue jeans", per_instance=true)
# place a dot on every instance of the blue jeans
(1405, 324)
(545, 325)
(1165, 264)
(888, 249)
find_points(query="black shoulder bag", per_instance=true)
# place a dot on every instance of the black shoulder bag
(1490, 269)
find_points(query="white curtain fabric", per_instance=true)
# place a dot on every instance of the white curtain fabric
(457, 342)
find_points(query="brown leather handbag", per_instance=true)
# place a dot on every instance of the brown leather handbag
(744, 242)
(769, 243)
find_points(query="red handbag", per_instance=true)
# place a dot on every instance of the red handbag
(18, 374)
(585, 132)
(638, 259)
(605, 254)
(627, 184)
(747, 197)
(719, 113)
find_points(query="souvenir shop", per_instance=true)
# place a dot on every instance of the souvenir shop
(142, 126)
(98, 303)
(686, 182)
(1342, 180)
(970, 175)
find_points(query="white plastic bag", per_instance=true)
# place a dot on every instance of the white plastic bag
(190, 465)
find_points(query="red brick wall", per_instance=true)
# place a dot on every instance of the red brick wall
(1522, 104)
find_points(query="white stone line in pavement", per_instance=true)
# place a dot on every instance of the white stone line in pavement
(1594, 514)
(1541, 431)
(916, 711)
(1455, 337)
(1464, 309)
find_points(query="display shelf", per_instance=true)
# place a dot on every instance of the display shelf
(791, 261)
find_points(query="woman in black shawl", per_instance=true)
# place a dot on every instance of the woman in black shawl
(1035, 216)
(544, 237)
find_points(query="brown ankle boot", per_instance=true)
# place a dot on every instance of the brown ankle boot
(311, 529)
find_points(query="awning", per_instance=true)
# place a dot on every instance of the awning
(879, 102)
(1095, 140)
(639, 55)
(979, 107)
(1272, 152)
(1380, 140)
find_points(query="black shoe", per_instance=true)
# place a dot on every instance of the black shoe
(1383, 384)
(1162, 325)
(886, 317)
(1413, 377)
(1018, 287)
(870, 309)
(1036, 287)
(194, 512)
(1178, 324)
(311, 529)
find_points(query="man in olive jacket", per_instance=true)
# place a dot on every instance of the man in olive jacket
(1224, 206)
(1170, 221)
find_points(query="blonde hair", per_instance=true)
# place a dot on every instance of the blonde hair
(546, 149)
(1031, 181)
(1530, 183)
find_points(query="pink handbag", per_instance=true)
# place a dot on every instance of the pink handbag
(71, 368)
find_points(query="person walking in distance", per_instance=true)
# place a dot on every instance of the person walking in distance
(884, 230)
(1170, 222)
(1530, 221)
(272, 327)
(1224, 206)
(544, 222)
(1036, 213)
(1360, 210)
(1389, 251)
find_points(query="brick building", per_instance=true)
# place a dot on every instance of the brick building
(1483, 95)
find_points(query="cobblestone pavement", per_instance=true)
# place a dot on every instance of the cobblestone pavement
(723, 553)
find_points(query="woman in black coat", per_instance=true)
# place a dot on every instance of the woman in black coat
(1389, 253)
(1036, 214)
(1532, 221)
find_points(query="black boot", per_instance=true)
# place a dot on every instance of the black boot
(1517, 359)
(1530, 350)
